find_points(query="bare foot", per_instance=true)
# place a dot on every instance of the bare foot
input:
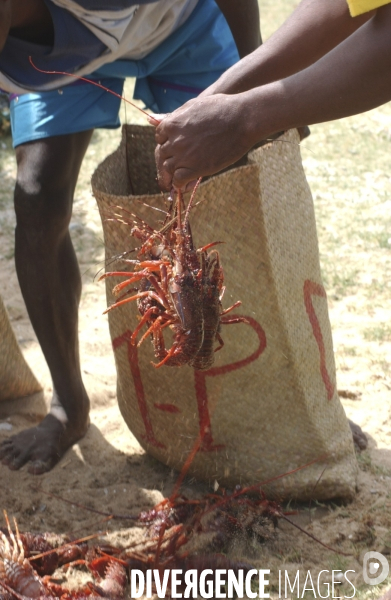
(43, 445)
(359, 438)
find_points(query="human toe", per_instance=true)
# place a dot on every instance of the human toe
(39, 466)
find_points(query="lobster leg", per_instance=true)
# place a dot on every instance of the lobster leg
(149, 294)
(227, 310)
(152, 265)
(164, 278)
(147, 265)
(232, 320)
(116, 274)
(136, 277)
(158, 289)
(221, 342)
(152, 240)
(158, 344)
(169, 354)
(205, 248)
(156, 325)
(154, 310)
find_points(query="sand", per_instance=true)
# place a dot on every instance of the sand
(108, 470)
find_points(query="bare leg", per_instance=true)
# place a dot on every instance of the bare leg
(51, 286)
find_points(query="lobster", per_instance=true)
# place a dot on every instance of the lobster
(19, 580)
(15, 570)
(181, 287)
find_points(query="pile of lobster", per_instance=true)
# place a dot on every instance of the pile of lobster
(28, 560)
(179, 287)
(181, 533)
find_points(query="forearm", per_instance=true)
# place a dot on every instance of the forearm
(211, 132)
(244, 22)
(352, 78)
(313, 29)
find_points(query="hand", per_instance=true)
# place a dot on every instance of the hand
(201, 138)
(155, 119)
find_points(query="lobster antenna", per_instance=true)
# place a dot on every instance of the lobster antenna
(93, 83)
(179, 209)
(197, 185)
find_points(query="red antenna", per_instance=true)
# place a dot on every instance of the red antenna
(97, 85)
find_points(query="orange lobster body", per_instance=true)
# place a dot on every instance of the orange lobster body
(180, 287)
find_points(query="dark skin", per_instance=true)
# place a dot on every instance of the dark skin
(242, 22)
(45, 260)
(46, 265)
(321, 65)
(26, 20)
(51, 286)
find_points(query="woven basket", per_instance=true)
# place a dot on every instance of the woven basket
(269, 403)
(16, 378)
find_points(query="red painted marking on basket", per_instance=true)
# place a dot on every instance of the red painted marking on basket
(138, 386)
(315, 289)
(206, 438)
(170, 408)
(207, 444)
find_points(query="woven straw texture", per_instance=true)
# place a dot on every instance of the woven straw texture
(16, 378)
(269, 403)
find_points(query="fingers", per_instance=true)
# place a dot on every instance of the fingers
(184, 179)
(155, 119)
(172, 152)
(161, 136)
(163, 159)
(170, 176)
(170, 172)
(165, 169)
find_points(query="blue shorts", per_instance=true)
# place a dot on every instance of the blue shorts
(185, 64)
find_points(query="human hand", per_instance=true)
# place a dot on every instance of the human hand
(201, 138)
(155, 119)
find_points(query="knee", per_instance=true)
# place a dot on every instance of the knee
(47, 174)
(42, 203)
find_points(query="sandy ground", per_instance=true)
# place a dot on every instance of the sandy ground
(108, 470)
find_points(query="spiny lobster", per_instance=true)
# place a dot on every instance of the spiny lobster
(181, 287)
(20, 580)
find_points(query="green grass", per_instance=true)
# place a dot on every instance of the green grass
(379, 333)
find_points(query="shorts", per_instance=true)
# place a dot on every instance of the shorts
(185, 64)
